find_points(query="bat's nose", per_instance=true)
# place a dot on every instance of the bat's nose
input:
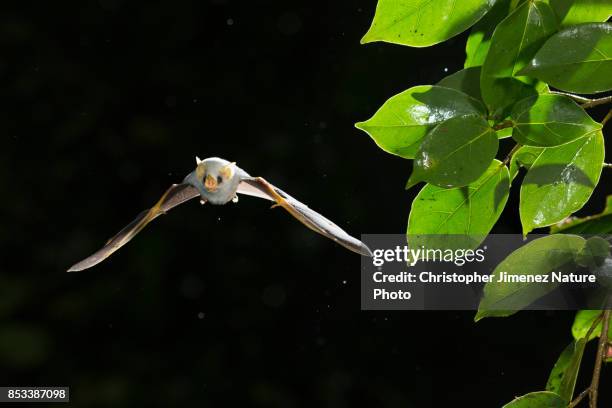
(210, 184)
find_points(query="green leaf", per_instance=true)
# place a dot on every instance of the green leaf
(594, 254)
(467, 81)
(560, 181)
(455, 153)
(538, 257)
(550, 120)
(513, 44)
(404, 119)
(504, 133)
(524, 157)
(478, 42)
(420, 23)
(595, 224)
(582, 323)
(576, 59)
(562, 378)
(539, 399)
(469, 211)
(570, 12)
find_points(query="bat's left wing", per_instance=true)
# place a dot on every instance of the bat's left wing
(175, 195)
(259, 187)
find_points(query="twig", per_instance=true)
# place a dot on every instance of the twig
(509, 156)
(601, 349)
(594, 325)
(579, 398)
(577, 98)
(606, 118)
(586, 392)
(597, 102)
(585, 102)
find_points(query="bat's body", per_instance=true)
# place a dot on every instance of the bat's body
(217, 181)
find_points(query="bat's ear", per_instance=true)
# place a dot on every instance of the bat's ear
(200, 169)
(227, 171)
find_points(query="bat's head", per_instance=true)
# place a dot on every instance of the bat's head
(216, 179)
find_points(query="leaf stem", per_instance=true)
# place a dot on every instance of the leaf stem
(607, 166)
(503, 125)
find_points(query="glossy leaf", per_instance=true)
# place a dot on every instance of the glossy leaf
(513, 44)
(541, 256)
(539, 399)
(550, 120)
(404, 119)
(562, 378)
(420, 23)
(560, 181)
(469, 211)
(576, 59)
(466, 80)
(570, 12)
(478, 42)
(595, 224)
(455, 153)
(582, 323)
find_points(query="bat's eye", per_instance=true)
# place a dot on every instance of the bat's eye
(219, 179)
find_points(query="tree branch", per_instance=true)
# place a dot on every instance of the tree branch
(577, 98)
(601, 350)
(606, 118)
(585, 102)
(596, 102)
(579, 398)
(509, 156)
(586, 392)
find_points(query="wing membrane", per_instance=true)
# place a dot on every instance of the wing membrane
(259, 187)
(175, 195)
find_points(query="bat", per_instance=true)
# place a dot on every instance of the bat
(218, 181)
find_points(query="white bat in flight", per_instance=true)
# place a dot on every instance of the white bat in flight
(217, 181)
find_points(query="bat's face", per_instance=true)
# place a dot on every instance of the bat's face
(216, 179)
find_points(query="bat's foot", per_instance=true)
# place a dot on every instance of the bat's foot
(235, 199)
(202, 201)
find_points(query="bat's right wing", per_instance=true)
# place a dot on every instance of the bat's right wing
(175, 195)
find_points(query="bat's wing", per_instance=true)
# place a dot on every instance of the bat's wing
(175, 195)
(259, 187)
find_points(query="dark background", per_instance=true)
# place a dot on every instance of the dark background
(105, 104)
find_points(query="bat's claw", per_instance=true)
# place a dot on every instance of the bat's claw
(275, 205)
(202, 201)
(235, 199)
